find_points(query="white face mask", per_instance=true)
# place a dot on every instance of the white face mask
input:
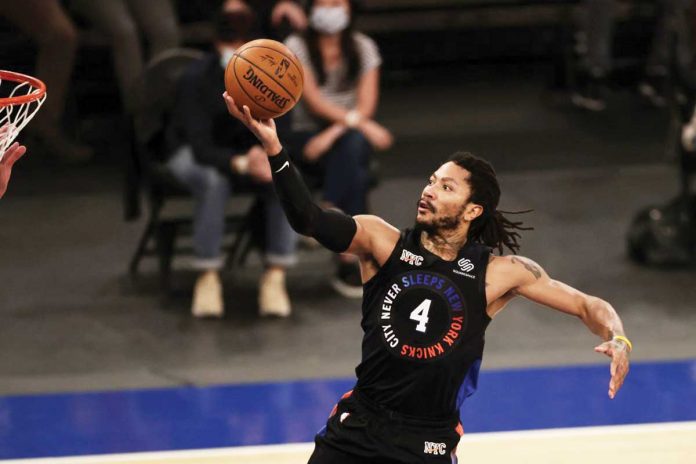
(329, 19)
(226, 55)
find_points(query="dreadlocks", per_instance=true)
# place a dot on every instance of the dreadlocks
(491, 228)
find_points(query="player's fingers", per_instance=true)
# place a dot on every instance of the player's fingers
(231, 106)
(13, 154)
(18, 153)
(249, 118)
(6, 155)
(604, 349)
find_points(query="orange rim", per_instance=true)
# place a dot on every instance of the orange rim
(22, 78)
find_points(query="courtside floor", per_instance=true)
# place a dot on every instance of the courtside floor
(559, 415)
(669, 443)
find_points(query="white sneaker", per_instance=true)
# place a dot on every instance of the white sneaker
(207, 296)
(273, 296)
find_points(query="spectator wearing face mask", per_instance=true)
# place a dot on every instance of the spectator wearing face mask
(671, 45)
(333, 127)
(210, 154)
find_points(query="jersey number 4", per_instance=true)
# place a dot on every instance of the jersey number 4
(420, 314)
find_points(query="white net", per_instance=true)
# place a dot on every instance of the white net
(22, 98)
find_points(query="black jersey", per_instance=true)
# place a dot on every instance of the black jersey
(424, 321)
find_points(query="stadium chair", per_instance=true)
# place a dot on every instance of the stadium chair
(169, 204)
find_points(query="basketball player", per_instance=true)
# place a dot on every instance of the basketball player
(13, 153)
(429, 294)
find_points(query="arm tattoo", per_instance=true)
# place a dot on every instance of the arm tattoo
(529, 266)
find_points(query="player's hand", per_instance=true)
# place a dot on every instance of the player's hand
(263, 129)
(618, 352)
(259, 167)
(292, 12)
(378, 135)
(11, 155)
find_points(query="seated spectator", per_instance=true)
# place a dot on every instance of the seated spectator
(209, 154)
(671, 43)
(47, 23)
(276, 16)
(122, 21)
(332, 126)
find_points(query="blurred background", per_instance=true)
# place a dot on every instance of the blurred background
(152, 299)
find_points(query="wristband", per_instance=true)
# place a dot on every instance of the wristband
(621, 338)
(278, 161)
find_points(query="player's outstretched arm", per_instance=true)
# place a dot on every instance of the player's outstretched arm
(13, 153)
(532, 282)
(362, 235)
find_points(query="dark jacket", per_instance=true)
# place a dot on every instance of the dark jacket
(201, 120)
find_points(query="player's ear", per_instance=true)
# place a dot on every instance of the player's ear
(473, 211)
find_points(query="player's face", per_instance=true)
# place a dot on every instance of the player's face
(444, 203)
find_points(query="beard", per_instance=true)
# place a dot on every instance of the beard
(439, 223)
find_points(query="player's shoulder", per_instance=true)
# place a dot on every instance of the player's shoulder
(512, 265)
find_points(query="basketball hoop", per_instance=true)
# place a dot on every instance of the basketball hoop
(25, 95)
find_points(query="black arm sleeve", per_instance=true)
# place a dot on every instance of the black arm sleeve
(333, 229)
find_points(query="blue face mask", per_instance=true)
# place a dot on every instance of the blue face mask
(226, 54)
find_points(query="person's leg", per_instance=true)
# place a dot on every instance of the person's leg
(211, 191)
(324, 454)
(46, 22)
(598, 28)
(345, 187)
(347, 173)
(671, 46)
(49, 26)
(158, 21)
(281, 243)
(114, 18)
(595, 35)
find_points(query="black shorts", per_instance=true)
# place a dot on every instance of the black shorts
(359, 432)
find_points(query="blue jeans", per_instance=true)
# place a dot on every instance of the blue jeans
(211, 190)
(345, 169)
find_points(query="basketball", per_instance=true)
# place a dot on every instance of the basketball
(265, 76)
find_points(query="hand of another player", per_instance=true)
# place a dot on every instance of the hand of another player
(11, 155)
(292, 12)
(618, 352)
(263, 129)
(318, 145)
(259, 167)
(378, 135)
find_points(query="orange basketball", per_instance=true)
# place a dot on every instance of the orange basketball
(265, 76)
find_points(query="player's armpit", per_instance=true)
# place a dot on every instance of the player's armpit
(374, 237)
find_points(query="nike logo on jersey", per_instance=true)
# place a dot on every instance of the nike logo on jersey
(285, 165)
